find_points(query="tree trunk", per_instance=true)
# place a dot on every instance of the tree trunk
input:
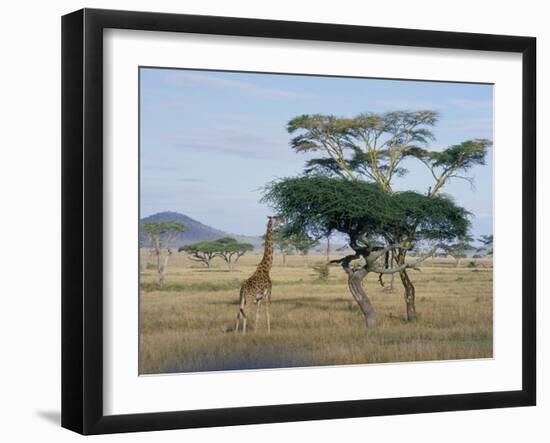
(355, 284)
(388, 263)
(160, 270)
(284, 259)
(409, 288)
(409, 295)
(328, 249)
(161, 279)
(162, 267)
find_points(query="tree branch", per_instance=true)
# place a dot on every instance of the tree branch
(371, 268)
(376, 255)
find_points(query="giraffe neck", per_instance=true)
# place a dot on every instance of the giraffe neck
(267, 259)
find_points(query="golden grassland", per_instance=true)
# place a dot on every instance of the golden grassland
(187, 326)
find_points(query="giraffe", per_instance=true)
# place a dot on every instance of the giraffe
(258, 286)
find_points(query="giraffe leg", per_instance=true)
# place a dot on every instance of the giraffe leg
(241, 315)
(237, 322)
(268, 319)
(258, 303)
(244, 323)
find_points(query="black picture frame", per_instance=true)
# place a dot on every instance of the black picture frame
(82, 218)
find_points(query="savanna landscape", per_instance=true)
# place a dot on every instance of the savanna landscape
(187, 326)
(348, 222)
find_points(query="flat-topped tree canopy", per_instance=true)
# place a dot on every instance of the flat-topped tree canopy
(369, 144)
(373, 146)
(319, 205)
(420, 217)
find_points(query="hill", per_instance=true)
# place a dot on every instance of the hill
(196, 231)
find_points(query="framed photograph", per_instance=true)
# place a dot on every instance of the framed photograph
(268, 221)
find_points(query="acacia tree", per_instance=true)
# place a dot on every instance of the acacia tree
(487, 242)
(372, 147)
(159, 236)
(303, 243)
(202, 252)
(282, 242)
(227, 248)
(230, 250)
(363, 212)
(459, 249)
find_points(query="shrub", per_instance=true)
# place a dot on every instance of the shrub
(323, 271)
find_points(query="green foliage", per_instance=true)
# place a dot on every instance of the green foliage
(228, 248)
(323, 166)
(418, 216)
(159, 233)
(230, 245)
(460, 248)
(318, 205)
(373, 146)
(349, 188)
(302, 242)
(487, 241)
(369, 144)
(281, 240)
(202, 252)
(461, 156)
(203, 246)
(231, 250)
(288, 240)
(162, 228)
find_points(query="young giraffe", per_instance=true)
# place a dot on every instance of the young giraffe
(258, 286)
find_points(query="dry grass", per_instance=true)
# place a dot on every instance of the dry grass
(184, 327)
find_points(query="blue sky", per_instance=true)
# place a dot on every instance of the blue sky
(211, 140)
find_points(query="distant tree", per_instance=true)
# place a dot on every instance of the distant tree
(282, 242)
(227, 248)
(459, 249)
(487, 241)
(230, 250)
(159, 236)
(303, 243)
(202, 252)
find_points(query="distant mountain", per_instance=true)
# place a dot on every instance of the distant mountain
(196, 231)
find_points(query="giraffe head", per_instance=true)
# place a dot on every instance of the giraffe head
(275, 220)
